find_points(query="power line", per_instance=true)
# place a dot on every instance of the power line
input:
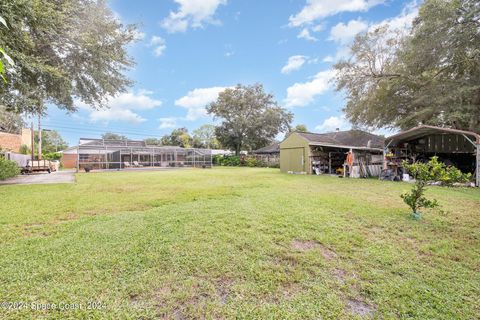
(93, 127)
(84, 130)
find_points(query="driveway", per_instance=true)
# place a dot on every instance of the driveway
(42, 178)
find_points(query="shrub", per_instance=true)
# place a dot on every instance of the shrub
(251, 162)
(231, 161)
(8, 169)
(24, 149)
(425, 173)
(52, 156)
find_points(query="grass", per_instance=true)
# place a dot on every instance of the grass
(235, 243)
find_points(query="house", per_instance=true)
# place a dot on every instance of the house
(305, 152)
(269, 154)
(273, 149)
(453, 147)
(121, 154)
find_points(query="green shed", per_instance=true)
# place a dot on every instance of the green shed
(294, 152)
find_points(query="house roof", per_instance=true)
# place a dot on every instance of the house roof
(355, 139)
(424, 130)
(273, 148)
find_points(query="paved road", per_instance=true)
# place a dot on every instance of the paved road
(42, 178)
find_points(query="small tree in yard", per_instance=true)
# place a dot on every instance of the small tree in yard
(425, 173)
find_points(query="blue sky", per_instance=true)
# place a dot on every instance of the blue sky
(189, 50)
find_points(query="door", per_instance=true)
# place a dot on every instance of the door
(296, 159)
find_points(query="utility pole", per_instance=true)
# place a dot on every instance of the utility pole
(32, 134)
(39, 138)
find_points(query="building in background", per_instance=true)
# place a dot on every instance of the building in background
(13, 142)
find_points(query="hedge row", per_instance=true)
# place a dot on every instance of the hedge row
(237, 161)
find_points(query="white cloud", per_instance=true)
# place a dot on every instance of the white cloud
(333, 123)
(123, 108)
(403, 21)
(301, 94)
(305, 34)
(167, 123)
(192, 13)
(196, 100)
(294, 63)
(318, 9)
(328, 59)
(159, 45)
(122, 115)
(344, 33)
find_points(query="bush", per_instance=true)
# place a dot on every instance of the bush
(251, 162)
(52, 156)
(425, 173)
(236, 161)
(8, 169)
(230, 161)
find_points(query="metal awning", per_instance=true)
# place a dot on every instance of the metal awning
(424, 130)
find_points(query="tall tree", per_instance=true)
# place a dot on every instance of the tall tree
(178, 137)
(9, 121)
(63, 51)
(5, 59)
(299, 128)
(52, 141)
(250, 117)
(204, 137)
(431, 76)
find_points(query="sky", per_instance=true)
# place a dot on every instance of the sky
(189, 50)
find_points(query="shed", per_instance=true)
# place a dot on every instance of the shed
(453, 147)
(326, 152)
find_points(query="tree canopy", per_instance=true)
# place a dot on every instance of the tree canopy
(63, 51)
(431, 75)
(113, 136)
(178, 137)
(10, 122)
(250, 117)
(52, 141)
(299, 128)
(204, 137)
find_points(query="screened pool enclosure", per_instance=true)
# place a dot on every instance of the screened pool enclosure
(129, 154)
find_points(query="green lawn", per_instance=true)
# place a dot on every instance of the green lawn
(236, 243)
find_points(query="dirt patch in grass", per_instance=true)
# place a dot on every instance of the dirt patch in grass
(307, 245)
(222, 287)
(359, 308)
(327, 253)
(339, 274)
(304, 245)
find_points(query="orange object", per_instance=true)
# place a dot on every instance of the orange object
(350, 158)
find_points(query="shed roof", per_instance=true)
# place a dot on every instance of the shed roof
(273, 148)
(355, 139)
(424, 130)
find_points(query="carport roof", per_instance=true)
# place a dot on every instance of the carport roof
(354, 139)
(424, 130)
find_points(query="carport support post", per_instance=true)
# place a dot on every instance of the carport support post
(78, 158)
(478, 166)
